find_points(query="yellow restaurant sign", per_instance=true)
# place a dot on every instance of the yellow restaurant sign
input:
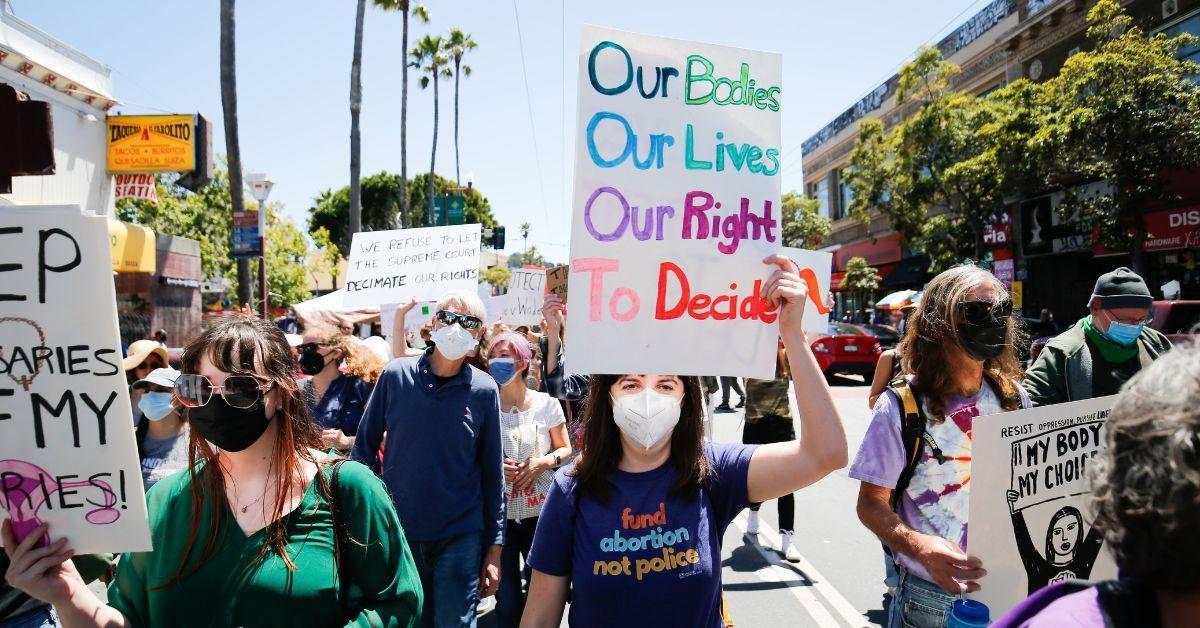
(133, 249)
(164, 143)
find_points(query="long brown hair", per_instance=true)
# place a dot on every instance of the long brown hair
(932, 335)
(601, 450)
(249, 346)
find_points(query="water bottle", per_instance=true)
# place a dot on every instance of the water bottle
(968, 614)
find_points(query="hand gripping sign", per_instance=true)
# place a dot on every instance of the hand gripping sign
(67, 453)
(676, 204)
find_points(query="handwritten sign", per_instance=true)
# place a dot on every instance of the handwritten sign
(676, 203)
(526, 292)
(67, 454)
(1028, 507)
(814, 268)
(423, 264)
(556, 281)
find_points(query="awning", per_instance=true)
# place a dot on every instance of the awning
(912, 272)
(133, 249)
(328, 310)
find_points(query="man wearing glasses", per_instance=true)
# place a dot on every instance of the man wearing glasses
(1104, 349)
(443, 461)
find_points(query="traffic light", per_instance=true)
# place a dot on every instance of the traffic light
(498, 238)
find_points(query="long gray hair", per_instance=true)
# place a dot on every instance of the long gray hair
(1146, 484)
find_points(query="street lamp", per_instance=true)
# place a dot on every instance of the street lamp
(260, 189)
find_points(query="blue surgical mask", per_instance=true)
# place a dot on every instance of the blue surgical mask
(156, 406)
(503, 370)
(1123, 334)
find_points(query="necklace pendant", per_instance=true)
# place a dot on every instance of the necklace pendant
(245, 508)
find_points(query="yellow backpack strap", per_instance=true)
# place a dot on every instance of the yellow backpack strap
(912, 431)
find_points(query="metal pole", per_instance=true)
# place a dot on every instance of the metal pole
(262, 260)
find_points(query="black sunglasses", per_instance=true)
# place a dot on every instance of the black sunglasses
(309, 346)
(979, 312)
(466, 321)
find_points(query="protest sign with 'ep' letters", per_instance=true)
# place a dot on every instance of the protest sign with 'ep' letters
(68, 456)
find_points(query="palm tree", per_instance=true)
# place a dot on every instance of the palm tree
(429, 56)
(525, 236)
(457, 45)
(232, 150)
(355, 110)
(422, 14)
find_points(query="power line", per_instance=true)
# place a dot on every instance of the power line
(537, 158)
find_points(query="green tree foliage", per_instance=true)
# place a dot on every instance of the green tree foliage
(860, 275)
(1126, 112)
(206, 216)
(533, 257)
(329, 256)
(381, 206)
(803, 224)
(931, 175)
(497, 276)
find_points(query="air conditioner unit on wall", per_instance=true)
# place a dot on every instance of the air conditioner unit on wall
(1169, 8)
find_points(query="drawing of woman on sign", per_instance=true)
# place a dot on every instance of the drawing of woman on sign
(1069, 555)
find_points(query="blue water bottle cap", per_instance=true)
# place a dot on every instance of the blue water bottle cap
(970, 613)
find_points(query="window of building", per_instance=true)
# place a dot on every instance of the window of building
(845, 195)
(820, 191)
(1190, 24)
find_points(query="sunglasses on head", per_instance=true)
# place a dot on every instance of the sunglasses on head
(985, 311)
(239, 391)
(466, 321)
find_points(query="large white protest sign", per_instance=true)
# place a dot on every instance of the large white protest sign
(68, 456)
(676, 203)
(526, 293)
(1029, 520)
(814, 268)
(421, 264)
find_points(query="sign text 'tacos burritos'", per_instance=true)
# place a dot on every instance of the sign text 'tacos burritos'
(676, 203)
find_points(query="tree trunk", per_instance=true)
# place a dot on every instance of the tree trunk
(355, 110)
(433, 151)
(232, 150)
(1137, 256)
(404, 124)
(457, 175)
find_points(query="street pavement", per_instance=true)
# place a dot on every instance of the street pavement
(839, 582)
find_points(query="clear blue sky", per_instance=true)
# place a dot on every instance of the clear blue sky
(293, 80)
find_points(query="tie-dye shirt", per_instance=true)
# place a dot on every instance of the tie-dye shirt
(936, 501)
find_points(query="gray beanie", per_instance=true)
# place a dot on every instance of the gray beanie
(1122, 288)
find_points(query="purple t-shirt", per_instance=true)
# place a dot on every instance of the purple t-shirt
(936, 501)
(1077, 610)
(629, 558)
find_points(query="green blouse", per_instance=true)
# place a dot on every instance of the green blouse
(236, 588)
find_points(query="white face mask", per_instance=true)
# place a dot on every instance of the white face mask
(453, 342)
(156, 405)
(646, 417)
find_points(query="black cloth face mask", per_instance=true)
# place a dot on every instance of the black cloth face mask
(983, 330)
(311, 362)
(227, 427)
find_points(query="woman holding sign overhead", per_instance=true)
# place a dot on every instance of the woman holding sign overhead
(640, 516)
(262, 530)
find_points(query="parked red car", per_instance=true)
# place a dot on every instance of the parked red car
(1179, 321)
(847, 349)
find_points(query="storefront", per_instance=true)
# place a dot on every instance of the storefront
(157, 281)
(898, 267)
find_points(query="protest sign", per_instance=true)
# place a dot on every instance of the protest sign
(676, 203)
(556, 281)
(420, 314)
(68, 456)
(422, 264)
(526, 292)
(1029, 520)
(814, 268)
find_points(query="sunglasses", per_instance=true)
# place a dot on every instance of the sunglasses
(239, 391)
(466, 321)
(309, 346)
(980, 312)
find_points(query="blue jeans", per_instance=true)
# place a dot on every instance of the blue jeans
(918, 603)
(890, 577)
(510, 597)
(43, 617)
(449, 571)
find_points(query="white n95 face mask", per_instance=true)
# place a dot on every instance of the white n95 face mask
(452, 341)
(646, 417)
